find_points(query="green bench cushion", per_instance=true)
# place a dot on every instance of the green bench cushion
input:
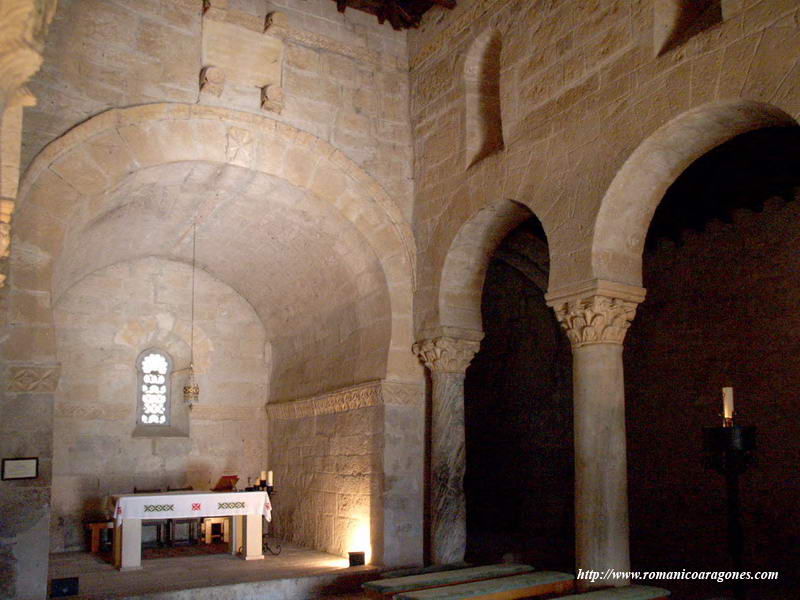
(630, 592)
(488, 586)
(439, 578)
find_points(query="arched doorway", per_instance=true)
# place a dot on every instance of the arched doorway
(720, 266)
(518, 408)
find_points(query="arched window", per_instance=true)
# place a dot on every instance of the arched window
(155, 370)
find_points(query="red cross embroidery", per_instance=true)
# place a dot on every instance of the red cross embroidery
(195, 506)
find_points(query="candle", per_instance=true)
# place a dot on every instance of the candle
(263, 476)
(269, 478)
(727, 405)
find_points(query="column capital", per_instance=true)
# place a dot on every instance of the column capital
(596, 311)
(446, 354)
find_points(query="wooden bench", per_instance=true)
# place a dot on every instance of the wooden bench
(629, 592)
(422, 570)
(537, 583)
(387, 588)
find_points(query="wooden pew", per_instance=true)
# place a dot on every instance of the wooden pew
(387, 588)
(629, 592)
(528, 585)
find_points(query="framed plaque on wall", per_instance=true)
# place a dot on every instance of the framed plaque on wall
(20, 468)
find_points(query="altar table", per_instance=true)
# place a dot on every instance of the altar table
(244, 508)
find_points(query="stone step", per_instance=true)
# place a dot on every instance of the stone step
(630, 592)
(538, 583)
(387, 588)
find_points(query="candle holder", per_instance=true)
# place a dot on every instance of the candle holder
(730, 451)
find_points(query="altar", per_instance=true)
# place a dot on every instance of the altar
(245, 509)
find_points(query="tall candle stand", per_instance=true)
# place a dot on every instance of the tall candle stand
(729, 451)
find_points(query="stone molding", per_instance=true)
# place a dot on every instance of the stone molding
(351, 398)
(467, 18)
(597, 312)
(403, 394)
(363, 395)
(446, 354)
(33, 379)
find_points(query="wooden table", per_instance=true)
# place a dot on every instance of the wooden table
(245, 509)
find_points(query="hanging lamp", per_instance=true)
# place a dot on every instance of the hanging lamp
(191, 391)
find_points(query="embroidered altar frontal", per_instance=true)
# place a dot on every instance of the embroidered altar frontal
(179, 505)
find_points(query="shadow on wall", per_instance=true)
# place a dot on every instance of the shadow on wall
(518, 403)
(721, 274)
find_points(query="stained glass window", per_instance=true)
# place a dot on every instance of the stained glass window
(154, 372)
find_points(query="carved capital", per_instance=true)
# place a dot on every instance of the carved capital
(446, 354)
(599, 312)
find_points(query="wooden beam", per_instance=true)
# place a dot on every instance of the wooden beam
(451, 4)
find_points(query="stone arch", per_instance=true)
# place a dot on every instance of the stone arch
(631, 200)
(464, 269)
(90, 163)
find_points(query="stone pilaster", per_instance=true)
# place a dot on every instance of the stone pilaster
(23, 25)
(448, 359)
(596, 317)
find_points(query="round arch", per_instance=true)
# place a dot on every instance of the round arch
(87, 165)
(461, 285)
(638, 187)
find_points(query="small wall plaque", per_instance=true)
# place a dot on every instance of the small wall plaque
(20, 468)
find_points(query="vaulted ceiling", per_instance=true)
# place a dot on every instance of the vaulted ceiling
(401, 14)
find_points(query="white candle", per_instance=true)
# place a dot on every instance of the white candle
(263, 476)
(727, 402)
(269, 478)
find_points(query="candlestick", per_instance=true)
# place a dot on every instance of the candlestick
(727, 406)
(263, 476)
(269, 478)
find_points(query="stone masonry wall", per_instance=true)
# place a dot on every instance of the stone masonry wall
(348, 471)
(103, 323)
(581, 86)
(344, 77)
(327, 465)
(720, 311)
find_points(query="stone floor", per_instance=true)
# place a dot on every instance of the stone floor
(295, 574)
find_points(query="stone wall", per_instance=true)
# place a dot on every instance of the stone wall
(721, 311)
(102, 324)
(581, 86)
(348, 471)
(342, 76)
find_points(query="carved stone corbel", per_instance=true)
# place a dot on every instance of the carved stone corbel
(212, 81)
(272, 98)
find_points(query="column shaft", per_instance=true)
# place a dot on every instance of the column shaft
(601, 489)
(448, 464)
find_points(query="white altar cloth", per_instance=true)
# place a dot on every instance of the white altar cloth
(182, 505)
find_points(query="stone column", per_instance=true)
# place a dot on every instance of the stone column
(448, 359)
(596, 318)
